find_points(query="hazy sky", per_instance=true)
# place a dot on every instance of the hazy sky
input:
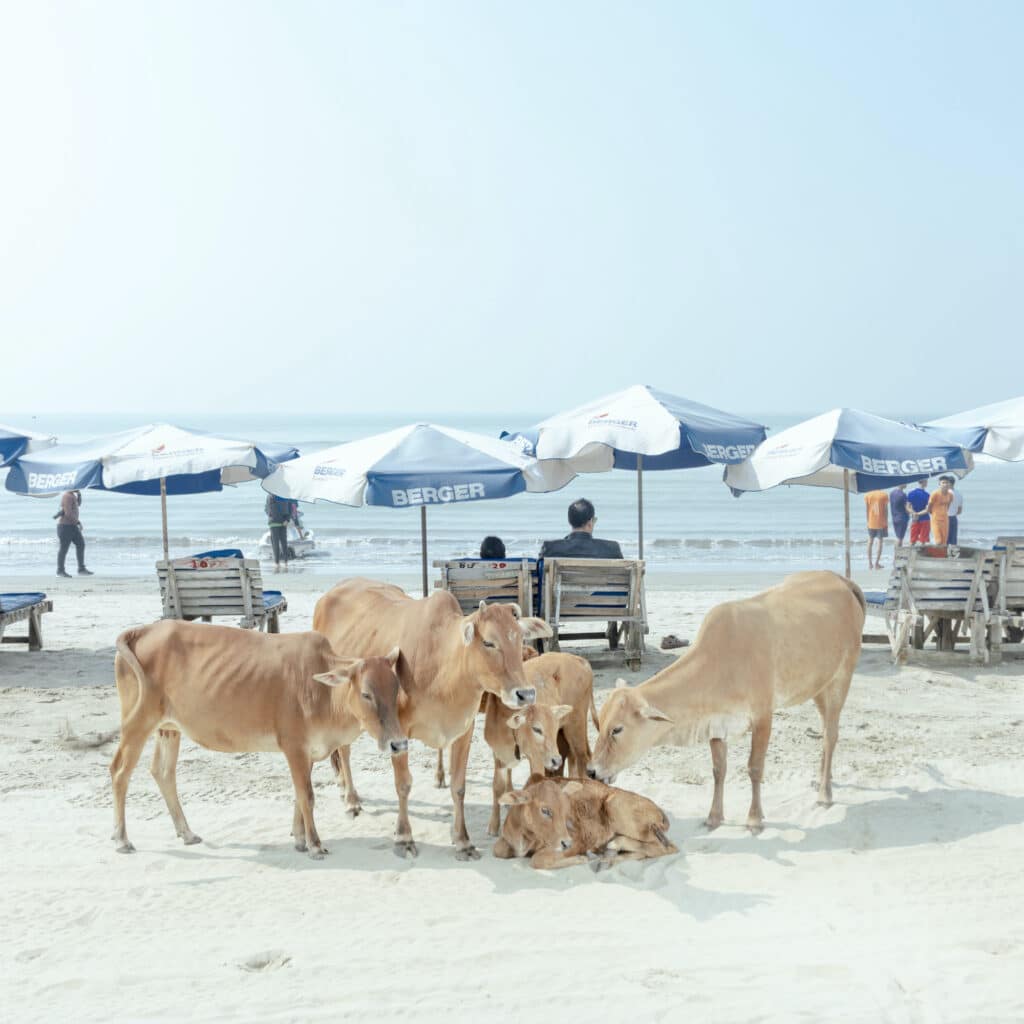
(490, 206)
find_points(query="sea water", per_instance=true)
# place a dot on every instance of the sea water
(691, 520)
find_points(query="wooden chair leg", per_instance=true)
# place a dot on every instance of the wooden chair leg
(35, 631)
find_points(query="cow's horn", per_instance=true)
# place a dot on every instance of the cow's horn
(483, 604)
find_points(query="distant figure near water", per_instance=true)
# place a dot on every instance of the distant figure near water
(938, 509)
(69, 531)
(920, 521)
(280, 512)
(954, 512)
(877, 505)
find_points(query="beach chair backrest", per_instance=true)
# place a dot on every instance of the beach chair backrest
(607, 589)
(946, 579)
(501, 581)
(206, 585)
(1010, 551)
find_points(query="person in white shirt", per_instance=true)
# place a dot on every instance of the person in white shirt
(954, 511)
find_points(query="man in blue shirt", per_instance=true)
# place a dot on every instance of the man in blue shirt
(899, 513)
(920, 528)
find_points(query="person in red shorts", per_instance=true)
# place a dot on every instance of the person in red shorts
(920, 521)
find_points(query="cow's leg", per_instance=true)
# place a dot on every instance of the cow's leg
(501, 785)
(142, 718)
(464, 849)
(719, 752)
(830, 703)
(761, 732)
(439, 773)
(404, 845)
(574, 733)
(164, 769)
(627, 848)
(298, 827)
(551, 859)
(353, 805)
(301, 768)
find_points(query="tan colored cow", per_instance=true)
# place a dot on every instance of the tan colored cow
(448, 662)
(798, 641)
(234, 690)
(612, 823)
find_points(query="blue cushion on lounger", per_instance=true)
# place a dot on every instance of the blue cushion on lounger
(272, 598)
(12, 602)
(222, 553)
(874, 596)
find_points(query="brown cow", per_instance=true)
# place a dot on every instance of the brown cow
(798, 641)
(232, 690)
(448, 661)
(613, 823)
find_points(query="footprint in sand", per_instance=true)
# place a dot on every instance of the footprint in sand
(270, 960)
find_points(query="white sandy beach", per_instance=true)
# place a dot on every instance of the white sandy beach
(902, 902)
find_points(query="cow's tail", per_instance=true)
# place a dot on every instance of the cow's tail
(126, 652)
(857, 593)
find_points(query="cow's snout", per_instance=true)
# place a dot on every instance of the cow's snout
(591, 774)
(525, 697)
(399, 747)
(566, 843)
(556, 763)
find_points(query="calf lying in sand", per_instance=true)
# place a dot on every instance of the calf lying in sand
(559, 822)
(232, 690)
(798, 641)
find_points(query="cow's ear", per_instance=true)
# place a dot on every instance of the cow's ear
(517, 721)
(393, 655)
(483, 604)
(572, 787)
(517, 612)
(468, 629)
(534, 629)
(650, 711)
(515, 798)
(561, 710)
(344, 671)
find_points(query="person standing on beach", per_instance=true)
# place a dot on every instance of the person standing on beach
(938, 509)
(877, 505)
(920, 524)
(69, 531)
(899, 513)
(954, 512)
(280, 513)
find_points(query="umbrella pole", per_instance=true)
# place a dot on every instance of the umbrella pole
(423, 544)
(846, 517)
(640, 505)
(163, 512)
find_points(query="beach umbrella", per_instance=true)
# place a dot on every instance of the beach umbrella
(850, 450)
(15, 441)
(417, 465)
(640, 429)
(153, 459)
(996, 430)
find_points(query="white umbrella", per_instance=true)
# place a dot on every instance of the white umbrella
(14, 442)
(850, 450)
(996, 430)
(417, 465)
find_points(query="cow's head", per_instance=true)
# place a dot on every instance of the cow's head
(493, 636)
(371, 694)
(540, 815)
(536, 731)
(630, 726)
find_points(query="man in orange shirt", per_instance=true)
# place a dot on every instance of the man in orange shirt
(938, 509)
(877, 503)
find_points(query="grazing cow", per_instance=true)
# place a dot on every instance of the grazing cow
(233, 690)
(613, 823)
(448, 661)
(798, 641)
(559, 679)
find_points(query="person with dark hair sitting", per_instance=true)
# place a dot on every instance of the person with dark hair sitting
(581, 543)
(492, 548)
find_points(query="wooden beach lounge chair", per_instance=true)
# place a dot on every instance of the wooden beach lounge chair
(24, 608)
(1008, 611)
(503, 581)
(579, 590)
(219, 583)
(940, 590)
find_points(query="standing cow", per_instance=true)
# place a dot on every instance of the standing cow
(448, 661)
(798, 641)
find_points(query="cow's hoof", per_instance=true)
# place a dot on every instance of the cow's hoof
(318, 852)
(125, 847)
(755, 827)
(191, 839)
(439, 782)
(467, 853)
(711, 822)
(300, 845)
(493, 832)
(354, 811)
(825, 803)
(405, 849)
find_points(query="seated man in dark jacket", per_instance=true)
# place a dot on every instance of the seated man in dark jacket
(581, 543)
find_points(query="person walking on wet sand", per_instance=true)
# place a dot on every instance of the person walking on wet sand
(280, 512)
(69, 531)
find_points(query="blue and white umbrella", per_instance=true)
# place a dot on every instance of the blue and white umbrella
(154, 459)
(641, 428)
(996, 430)
(850, 450)
(418, 465)
(15, 442)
